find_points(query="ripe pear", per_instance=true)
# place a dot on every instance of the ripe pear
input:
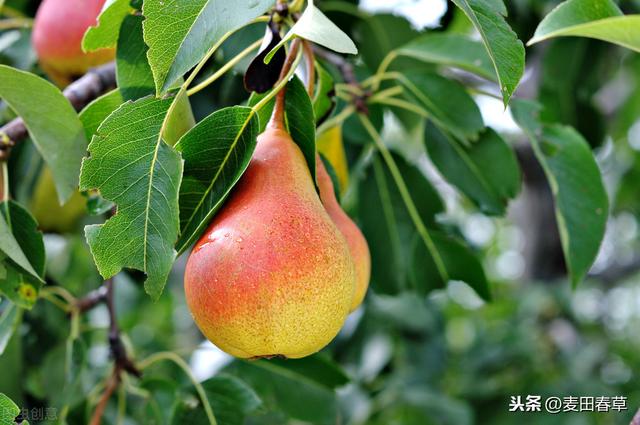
(272, 275)
(330, 145)
(46, 209)
(58, 29)
(357, 243)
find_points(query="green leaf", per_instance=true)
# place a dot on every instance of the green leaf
(97, 111)
(179, 34)
(180, 119)
(392, 309)
(216, 153)
(386, 223)
(105, 34)
(19, 235)
(573, 174)
(132, 167)
(301, 121)
(314, 26)
(323, 98)
(299, 118)
(318, 367)
(486, 171)
(503, 46)
(9, 411)
(599, 19)
(59, 137)
(134, 76)
(285, 389)
(379, 34)
(9, 320)
(231, 399)
(455, 50)
(447, 102)
(461, 264)
(75, 362)
(18, 286)
(161, 403)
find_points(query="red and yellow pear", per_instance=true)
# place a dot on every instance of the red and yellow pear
(355, 239)
(58, 30)
(272, 275)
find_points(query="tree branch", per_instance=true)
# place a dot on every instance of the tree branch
(348, 75)
(112, 384)
(118, 351)
(80, 93)
(92, 299)
(122, 362)
(618, 272)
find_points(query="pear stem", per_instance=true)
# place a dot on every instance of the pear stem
(277, 118)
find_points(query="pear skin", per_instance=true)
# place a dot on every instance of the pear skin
(357, 243)
(272, 275)
(58, 29)
(331, 146)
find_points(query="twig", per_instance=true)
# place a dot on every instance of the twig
(344, 66)
(348, 75)
(114, 381)
(80, 93)
(118, 352)
(618, 272)
(92, 299)
(11, 23)
(282, 8)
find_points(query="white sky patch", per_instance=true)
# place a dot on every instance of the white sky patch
(495, 116)
(421, 13)
(207, 360)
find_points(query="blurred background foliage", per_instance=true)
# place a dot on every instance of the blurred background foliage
(448, 358)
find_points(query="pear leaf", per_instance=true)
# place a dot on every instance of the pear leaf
(502, 44)
(134, 168)
(216, 153)
(581, 200)
(58, 137)
(314, 26)
(105, 33)
(599, 19)
(179, 34)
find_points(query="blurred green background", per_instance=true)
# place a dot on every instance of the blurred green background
(449, 358)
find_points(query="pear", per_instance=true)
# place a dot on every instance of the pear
(58, 29)
(357, 243)
(331, 147)
(272, 275)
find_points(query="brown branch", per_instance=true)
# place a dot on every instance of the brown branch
(122, 362)
(348, 75)
(80, 93)
(618, 272)
(282, 8)
(112, 385)
(118, 351)
(92, 299)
